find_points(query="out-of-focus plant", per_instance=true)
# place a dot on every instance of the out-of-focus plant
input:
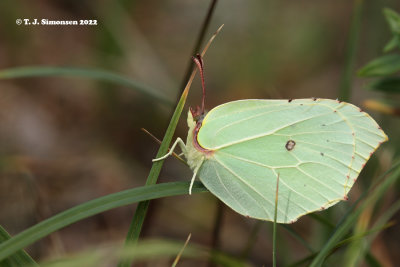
(386, 68)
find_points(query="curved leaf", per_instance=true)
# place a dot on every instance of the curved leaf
(385, 65)
(393, 19)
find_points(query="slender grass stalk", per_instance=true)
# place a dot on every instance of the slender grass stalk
(93, 207)
(351, 53)
(98, 74)
(181, 251)
(142, 208)
(199, 41)
(379, 226)
(274, 227)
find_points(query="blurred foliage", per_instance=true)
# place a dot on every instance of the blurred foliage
(64, 141)
(387, 67)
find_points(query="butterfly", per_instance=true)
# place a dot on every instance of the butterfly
(317, 147)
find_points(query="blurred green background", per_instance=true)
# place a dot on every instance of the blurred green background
(66, 140)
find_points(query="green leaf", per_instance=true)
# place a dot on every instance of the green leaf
(40, 71)
(91, 208)
(385, 65)
(20, 258)
(387, 84)
(393, 19)
(392, 44)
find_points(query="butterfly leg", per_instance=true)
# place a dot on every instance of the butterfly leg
(194, 176)
(181, 144)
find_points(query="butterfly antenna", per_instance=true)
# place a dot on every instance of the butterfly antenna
(200, 65)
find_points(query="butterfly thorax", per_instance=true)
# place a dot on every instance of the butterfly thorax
(195, 153)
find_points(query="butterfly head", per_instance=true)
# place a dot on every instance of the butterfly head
(198, 114)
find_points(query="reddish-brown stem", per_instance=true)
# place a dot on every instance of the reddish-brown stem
(200, 65)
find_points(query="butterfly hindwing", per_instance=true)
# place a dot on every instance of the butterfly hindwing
(316, 146)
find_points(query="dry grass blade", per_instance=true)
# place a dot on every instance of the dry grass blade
(181, 251)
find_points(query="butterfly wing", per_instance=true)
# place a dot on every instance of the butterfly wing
(316, 146)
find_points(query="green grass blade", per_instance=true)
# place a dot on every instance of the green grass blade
(359, 236)
(91, 208)
(141, 210)
(349, 220)
(98, 74)
(19, 258)
(346, 241)
(380, 225)
(340, 244)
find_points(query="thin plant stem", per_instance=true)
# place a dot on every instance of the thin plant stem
(199, 41)
(178, 257)
(351, 53)
(274, 227)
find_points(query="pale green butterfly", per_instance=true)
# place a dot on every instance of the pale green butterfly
(317, 147)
